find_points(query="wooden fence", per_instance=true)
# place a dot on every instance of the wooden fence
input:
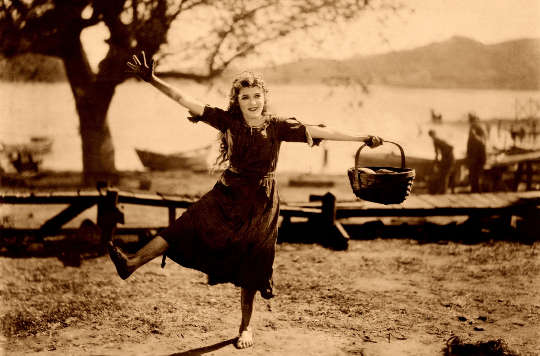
(322, 210)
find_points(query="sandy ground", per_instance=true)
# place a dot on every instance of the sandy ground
(380, 297)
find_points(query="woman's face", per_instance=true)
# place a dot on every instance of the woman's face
(251, 102)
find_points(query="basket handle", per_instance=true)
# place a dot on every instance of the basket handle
(357, 158)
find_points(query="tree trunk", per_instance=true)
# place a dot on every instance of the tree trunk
(97, 148)
(92, 101)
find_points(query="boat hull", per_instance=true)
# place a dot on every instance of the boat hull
(194, 161)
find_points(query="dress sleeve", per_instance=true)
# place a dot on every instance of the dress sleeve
(215, 117)
(292, 130)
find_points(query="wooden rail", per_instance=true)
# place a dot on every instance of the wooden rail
(323, 211)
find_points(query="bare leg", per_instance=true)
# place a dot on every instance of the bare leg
(245, 335)
(126, 265)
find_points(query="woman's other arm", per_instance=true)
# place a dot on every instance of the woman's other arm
(325, 133)
(140, 68)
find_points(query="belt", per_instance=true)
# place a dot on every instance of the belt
(267, 175)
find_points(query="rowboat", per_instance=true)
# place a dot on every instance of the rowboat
(194, 160)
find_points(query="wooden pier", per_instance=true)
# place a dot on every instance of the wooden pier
(323, 211)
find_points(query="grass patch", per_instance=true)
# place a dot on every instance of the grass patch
(50, 315)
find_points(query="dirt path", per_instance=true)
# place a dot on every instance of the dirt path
(381, 297)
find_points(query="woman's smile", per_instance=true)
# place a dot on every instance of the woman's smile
(251, 102)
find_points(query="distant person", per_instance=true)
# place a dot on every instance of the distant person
(476, 152)
(444, 162)
(230, 233)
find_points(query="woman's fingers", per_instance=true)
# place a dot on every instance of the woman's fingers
(142, 70)
(136, 60)
(144, 58)
(131, 66)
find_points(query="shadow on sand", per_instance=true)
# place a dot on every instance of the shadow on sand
(205, 349)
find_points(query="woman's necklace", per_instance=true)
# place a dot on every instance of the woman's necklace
(255, 123)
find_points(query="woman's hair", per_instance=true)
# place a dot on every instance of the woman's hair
(243, 80)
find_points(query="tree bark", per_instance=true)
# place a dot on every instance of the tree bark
(92, 101)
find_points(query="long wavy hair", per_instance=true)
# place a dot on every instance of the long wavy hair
(243, 80)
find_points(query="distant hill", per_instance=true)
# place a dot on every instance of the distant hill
(456, 63)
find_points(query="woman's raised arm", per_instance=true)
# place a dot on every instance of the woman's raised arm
(140, 68)
(326, 133)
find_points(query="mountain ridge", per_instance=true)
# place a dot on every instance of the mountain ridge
(458, 62)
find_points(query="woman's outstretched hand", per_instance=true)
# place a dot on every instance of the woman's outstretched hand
(140, 67)
(373, 141)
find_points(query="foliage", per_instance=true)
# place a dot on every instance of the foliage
(30, 67)
(228, 29)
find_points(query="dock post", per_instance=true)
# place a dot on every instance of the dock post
(517, 177)
(172, 215)
(334, 233)
(108, 216)
(529, 174)
(529, 225)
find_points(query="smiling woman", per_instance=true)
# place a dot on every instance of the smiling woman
(252, 103)
(230, 233)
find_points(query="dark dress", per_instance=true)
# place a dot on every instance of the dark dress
(230, 233)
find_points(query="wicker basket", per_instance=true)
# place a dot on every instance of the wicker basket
(392, 186)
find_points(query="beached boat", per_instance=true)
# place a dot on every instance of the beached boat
(25, 157)
(194, 160)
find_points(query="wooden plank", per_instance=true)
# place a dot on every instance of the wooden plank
(477, 200)
(414, 202)
(498, 199)
(528, 195)
(457, 200)
(359, 204)
(443, 201)
(54, 224)
(511, 197)
(314, 204)
(395, 206)
(299, 212)
(47, 198)
(429, 199)
(154, 200)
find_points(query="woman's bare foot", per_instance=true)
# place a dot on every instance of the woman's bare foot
(120, 261)
(245, 339)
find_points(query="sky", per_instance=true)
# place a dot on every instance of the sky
(487, 21)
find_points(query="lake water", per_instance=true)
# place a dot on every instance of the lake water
(142, 117)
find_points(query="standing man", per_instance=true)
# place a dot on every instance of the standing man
(476, 152)
(444, 161)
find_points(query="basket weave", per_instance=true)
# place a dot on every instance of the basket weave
(384, 188)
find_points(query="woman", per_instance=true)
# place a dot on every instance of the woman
(230, 233)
